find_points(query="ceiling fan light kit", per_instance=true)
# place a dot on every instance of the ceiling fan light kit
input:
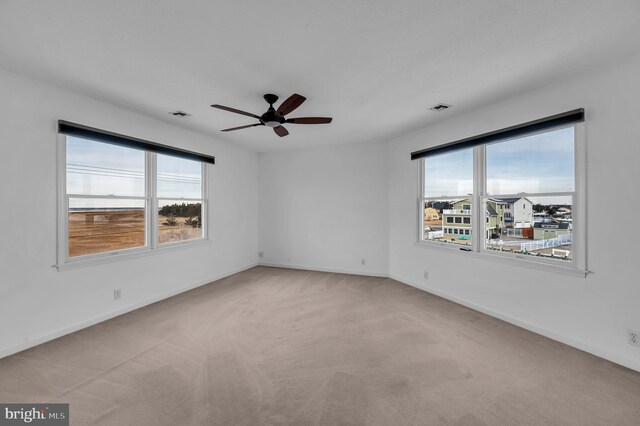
(275, 118)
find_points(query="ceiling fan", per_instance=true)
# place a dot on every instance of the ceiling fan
(275, 117)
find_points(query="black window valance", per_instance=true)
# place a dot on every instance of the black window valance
(557, 120)
(78, 130)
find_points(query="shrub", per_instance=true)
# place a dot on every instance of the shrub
(194, 222)
(170, 221)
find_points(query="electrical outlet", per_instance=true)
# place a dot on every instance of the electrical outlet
(633, 337)
(117, 294)
(260, 254)
(363, 261)
(426, 275)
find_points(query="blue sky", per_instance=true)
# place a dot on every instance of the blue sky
(537, 163)
(95, 168)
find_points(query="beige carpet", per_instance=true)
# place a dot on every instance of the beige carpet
(275, 346)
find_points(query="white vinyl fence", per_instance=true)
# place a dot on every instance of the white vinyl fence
(435, 234)
(561, 240)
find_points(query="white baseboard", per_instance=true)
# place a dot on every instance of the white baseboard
(88, 323)
(615, 358)
(325, 269)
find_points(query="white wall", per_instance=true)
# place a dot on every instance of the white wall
(36, 301)
(325, 208)
(591, 313)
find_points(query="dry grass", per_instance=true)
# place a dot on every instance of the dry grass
(180, 232)
(104, 231)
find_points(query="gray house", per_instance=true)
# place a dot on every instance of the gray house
(550, 229)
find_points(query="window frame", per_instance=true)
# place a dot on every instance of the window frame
(152, 245)
(577, 266)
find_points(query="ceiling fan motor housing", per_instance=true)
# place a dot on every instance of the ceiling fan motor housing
(271, 118)
(271, 98)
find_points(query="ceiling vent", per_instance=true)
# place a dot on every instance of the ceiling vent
(440, 107)
(180, 114)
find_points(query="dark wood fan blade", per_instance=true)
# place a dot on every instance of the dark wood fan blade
(309, 120)
(242, 127)
(237, 111)
(292, 102)
(280, 131)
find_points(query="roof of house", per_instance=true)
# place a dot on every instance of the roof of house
(439, 205)
(509, 200)
(468, 200)
(551, 225)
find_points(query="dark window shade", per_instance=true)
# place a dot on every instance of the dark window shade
(78, 130)
(547, 123)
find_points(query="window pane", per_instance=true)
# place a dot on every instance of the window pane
(449, 174)
(537, 163)
(179, 221)
(95, 168)
(179, 178)
(535, 226)
(103, 225)
(456, 217)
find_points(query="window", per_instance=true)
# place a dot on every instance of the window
(527, 181)
(117, 199)
(180, 199)
(106, 198)
(540, 169)
(447, 180)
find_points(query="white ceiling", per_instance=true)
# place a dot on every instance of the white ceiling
(374, 65)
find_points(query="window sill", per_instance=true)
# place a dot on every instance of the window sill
(128, 255)
(516, 260)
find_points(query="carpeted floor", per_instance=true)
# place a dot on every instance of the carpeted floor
(276, 346)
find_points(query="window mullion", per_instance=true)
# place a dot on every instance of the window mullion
(152, 210)
(479, 190)
(530, 194)
(106, 197)
(421, 200)
(179, 199)
(204, 212)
